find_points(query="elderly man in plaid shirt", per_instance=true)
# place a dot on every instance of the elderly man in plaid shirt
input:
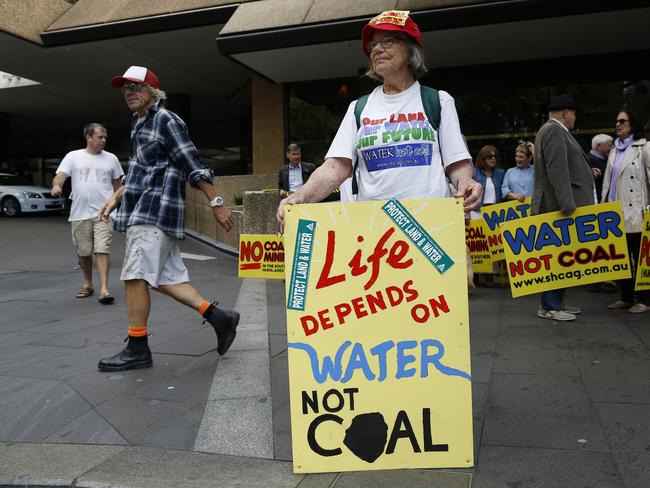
(151, 212)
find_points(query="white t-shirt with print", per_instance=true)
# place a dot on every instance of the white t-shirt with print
(92, 180)
(398, 151)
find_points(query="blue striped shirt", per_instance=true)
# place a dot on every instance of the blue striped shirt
(161, 154)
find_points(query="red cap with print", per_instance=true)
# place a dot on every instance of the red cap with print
(137, 74)
(391, 20)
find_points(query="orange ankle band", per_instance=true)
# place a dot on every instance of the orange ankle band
(138, 331)
(204, 308)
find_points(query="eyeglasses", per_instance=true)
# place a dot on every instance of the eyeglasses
(385, 42)
(136, 87)
(622, 121)
(490, 156)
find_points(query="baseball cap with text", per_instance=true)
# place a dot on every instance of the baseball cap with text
(391, 20)
(137, 74)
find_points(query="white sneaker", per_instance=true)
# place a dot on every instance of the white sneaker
(559, 315)
(573, 310)
(639, 308)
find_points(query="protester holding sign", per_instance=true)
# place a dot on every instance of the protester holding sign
(401, 141)
(488, 175)
(627, 179)
(518, 181)
(563, 181)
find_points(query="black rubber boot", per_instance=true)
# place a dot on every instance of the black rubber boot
(136, 355)
(224, 322)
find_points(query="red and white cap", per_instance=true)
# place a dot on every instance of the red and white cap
(137, 74)
(391, 20)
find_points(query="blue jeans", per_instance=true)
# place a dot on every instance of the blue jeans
(552, 300)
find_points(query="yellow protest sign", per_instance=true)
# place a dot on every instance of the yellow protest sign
(261, 256)
(643, 266)
(479, 249)
(493, 215)
(378, 335)
(552, 250)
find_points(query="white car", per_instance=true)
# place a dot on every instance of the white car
(17, 195)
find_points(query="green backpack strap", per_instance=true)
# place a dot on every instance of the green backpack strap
(358, 108)
(431, 104)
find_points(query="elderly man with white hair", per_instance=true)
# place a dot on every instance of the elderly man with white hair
(601, 145)
(151, 212)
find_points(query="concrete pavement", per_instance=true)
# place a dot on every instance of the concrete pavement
(555, 405)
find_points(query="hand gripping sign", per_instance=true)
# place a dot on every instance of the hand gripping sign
(378, 335)
(552, 250)
(496, 214)
(643, 266)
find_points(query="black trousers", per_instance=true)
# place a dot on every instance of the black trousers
(627, 286)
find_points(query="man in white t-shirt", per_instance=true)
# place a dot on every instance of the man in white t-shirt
(95, 174)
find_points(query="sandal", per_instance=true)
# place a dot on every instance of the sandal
(106, 299)
(85, 292)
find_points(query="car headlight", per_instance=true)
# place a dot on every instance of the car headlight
(31, 194)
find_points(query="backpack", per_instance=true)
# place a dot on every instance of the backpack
(431, 103)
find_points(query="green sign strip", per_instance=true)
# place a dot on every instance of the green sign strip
(301, 264)
(418, 236)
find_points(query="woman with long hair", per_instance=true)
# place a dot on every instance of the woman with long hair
(488, 175)
(627, 179)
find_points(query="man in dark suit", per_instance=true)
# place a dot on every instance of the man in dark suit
(563, 181)
(295, 173)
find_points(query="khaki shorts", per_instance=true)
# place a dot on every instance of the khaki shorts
(92, 236)
(153, 256)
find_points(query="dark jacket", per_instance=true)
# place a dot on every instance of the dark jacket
(283, 175)
(563, 178)
(600, 163)
(497, 180)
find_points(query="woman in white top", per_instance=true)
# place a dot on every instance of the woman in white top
(627, 179)
(399, 153)
(488, 175)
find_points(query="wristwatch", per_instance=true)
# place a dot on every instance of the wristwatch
(217, 202)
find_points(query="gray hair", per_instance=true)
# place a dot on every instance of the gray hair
(416, 61)
(293, 147)
(600, 139)
(157, 93)
(89, 129)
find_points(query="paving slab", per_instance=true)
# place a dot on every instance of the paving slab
(622, 379)
(281, 408)
(136, 418)
(159, 468)
(244, 374)
(510, 467)
(238, 427)
(628, 433)
(178, 434)
(277, 344)
(89, 428)
(319, 480)
(413, 478)
(42, 464)
(541, 411)
(68, 363)
(181, 379)
(610, 340)
(25, 356)
(33, 409)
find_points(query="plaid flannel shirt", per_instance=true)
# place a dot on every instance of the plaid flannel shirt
(160, 155)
